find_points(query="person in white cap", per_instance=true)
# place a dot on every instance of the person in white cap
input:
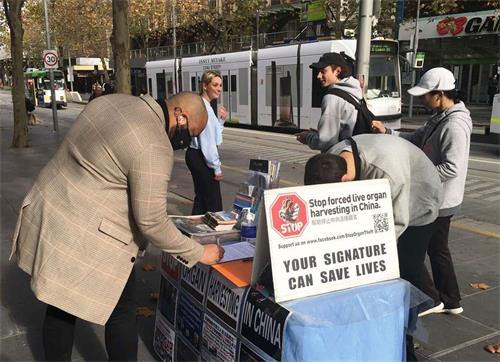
(445, 139)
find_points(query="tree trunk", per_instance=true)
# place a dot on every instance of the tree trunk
(121, 46)
(13, 13)
(105, 68)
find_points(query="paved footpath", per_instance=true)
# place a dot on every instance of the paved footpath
(475, 238)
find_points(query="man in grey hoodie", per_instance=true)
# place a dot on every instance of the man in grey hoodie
(338, 116)
(416, 192)
(445, 139)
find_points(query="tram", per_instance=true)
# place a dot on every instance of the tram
(275, 88)
(37, 84)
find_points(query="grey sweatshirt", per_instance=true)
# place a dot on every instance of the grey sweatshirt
(445, 139)
(416, 190)
(338, 117)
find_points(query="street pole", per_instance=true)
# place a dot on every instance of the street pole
(413, 59)
(174, 38)
(363, 44)
(70, 71)
(257, 26)
(51, 71)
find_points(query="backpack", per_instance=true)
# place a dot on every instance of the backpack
(363, 119)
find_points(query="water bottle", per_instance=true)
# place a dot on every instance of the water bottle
(248, 227)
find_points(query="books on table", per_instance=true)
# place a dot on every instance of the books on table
(196, 228)
(221, 220)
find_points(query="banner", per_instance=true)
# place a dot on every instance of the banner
(167, 302)
(190, 321)
(247, 354)
(194, 280)
(170, 267)
(218, 343)
(224, 299)
(164, 338)
(263, 323)
(329, 237)
(183, 351)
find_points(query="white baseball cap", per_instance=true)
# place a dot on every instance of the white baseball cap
(434, 79)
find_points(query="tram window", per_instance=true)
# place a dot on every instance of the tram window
(234, 99)
(243, 76)
(233, 83)
(318, 91)
(150, 86)
(193, 84)
(185, 81)
(160, 85)
(286, 76)
(170, 84)
(225, 94)
(382, 81)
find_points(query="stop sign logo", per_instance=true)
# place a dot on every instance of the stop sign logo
(289, 215)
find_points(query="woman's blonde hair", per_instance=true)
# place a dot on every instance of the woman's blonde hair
(207, 77)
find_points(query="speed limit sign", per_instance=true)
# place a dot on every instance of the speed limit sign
(50, 59)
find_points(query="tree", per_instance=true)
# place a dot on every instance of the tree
(148, 21)
(13, 14)
(34, 41)
(442, 7)
(121, 46)
(340, 15)
(83, 27)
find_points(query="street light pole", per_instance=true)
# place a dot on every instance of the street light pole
(174, 38)
(413, 59)
(257, 28)
(51, 71)
(363, 46)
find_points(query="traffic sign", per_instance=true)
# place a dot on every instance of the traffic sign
(50, 59)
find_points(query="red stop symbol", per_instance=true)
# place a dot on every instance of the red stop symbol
(289, 215)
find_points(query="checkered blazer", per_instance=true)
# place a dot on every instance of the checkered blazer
(96, 202)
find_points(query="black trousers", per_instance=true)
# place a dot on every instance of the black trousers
(412, 245)
(445, 286)
(206, 189)
(120, 330)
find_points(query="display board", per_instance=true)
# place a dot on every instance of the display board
(202, 316)
(328, 237)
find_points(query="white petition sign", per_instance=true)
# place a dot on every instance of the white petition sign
(329, 237)
(50, 59)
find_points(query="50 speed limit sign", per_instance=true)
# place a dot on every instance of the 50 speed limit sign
(50, 59)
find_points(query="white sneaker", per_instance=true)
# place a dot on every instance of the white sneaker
(437, 309)
(452, 310)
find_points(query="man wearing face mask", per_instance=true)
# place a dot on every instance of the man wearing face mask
(97, 202)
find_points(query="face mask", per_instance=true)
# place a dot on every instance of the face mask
(181, 137)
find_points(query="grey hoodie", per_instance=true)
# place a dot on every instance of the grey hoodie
(338, 117)
(415, 188)
(445, 139)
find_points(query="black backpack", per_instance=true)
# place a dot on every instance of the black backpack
(364, 118)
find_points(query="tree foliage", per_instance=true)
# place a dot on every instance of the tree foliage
(340, 15)
(442, 7)
(149, 20)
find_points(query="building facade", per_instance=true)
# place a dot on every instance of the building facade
(468, 44)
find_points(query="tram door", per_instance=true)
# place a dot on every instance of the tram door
(230, 88)
(161, 92)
